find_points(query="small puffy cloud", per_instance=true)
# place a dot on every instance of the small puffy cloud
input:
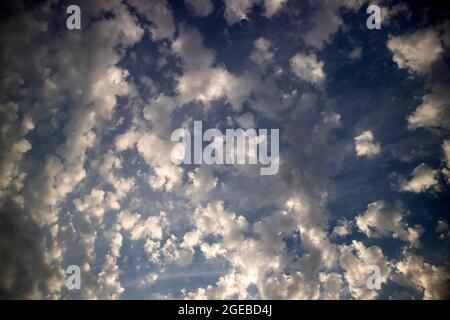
(332, 119)
(92, 205)
(308, 68)
(173, 253)
(416, 51)
(200, 8)
(246, 120)
(434, 111)
(262, 52)
(151, 228)
(423, 178)
(380, 220)
(343, 228)
(365, 145)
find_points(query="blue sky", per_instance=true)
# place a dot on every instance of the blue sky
(86, 175)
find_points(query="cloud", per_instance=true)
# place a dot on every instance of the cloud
(344, 228)
(200, 8)
(423, 179)
(201, 182)
(14, 146)
(365, 145)
(433, 280)
(201, 81)
(433, 112)
(381, 220)
(246, 120)
(308, 68)
(262, 53)
(355, 259)
(325, 20)
(416, 51)
(238, 10)
(87, 83)
(159, 14)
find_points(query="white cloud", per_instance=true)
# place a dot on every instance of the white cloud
(365, 145)
(344, 228)
(423, 179)
(355, 259)
(92, 205)
(156, 153)
(416, 51)
(434, 111)
(380, 220)
(151, 228)
(308, 68)
(201, 81)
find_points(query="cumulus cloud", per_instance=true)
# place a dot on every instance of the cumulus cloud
(355, 259)
(433, 280)
(433, 112)
(365, 145)
(416, 51)
(201, 81)
(423, 178)
(381, 220)
(308, 68)
(91, 81)
(86, 176)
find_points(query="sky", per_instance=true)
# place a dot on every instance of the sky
(86, 177)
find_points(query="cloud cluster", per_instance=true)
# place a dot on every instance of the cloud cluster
(86, 176)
